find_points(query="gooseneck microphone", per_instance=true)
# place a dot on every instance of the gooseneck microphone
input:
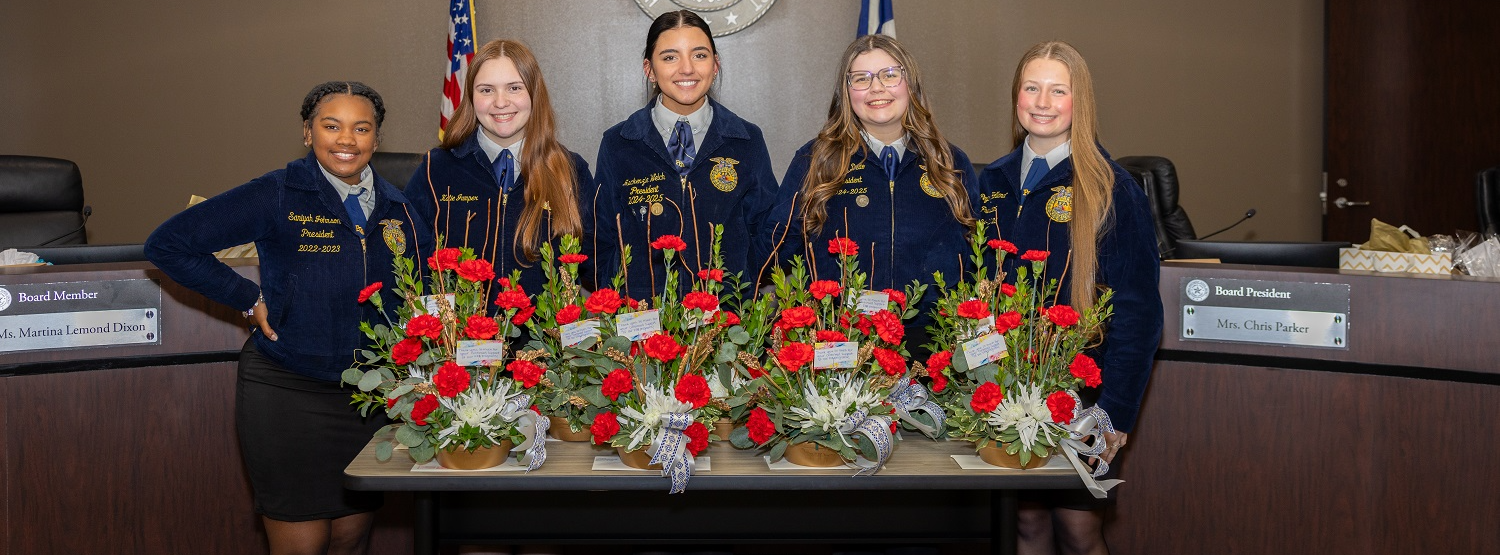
(87, 211)
(1248, 214)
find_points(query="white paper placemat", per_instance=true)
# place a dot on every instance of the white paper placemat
(612, 462)
(510, 465)
(973, 462)
(784, 464)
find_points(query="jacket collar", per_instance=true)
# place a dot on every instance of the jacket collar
(304, 174)
(726, 125)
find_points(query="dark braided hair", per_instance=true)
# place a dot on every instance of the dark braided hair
(356, 88)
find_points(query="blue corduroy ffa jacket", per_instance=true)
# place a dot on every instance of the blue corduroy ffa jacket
(456, 193)
(1128, 264)
(905, 233)
(312, 263)
(730, 183)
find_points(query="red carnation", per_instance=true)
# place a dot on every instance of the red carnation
(891, 361)
(1007, 321)
(974, 310)
(568, 314)
(669, 242)
(424, 325)
(828, 336)
(1085, 369)
(1034, 256)
(422, 408)
(896, 297)
(711, 274)
(986, 397)
(863, 324)
(451, 380)
(1008, 289)
(605, 426)
(406, 351)
(796, 317)
(700, 300)
(1002, 245)
(521, 317)
(1062, 315)
(574, 258)
(662, 347)
(364, 294)
(727, 318)
(697, 435)
(760, 426)
(693, 389)
(390, 403)
(512, 298)
(632, 303)
(619, 381)
(477, 270)
(888, 326)
(444, 259)
(939, 381)
(824, 288)
(1061, 404)
(481, 327)
(526, 372)
(939, 360)
(603, 301)
(842, 246)
(794, 356)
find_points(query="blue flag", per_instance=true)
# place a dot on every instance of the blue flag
(876, 17)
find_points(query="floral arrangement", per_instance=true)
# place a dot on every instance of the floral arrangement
(565, 325)
(835, 357)
(1016, 356)
(654, 364)
(437, 367)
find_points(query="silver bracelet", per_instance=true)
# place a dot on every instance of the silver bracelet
(261, 298)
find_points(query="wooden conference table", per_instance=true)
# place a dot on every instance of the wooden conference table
(921, 496)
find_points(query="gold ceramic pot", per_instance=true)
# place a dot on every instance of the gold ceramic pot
(995, 454)
(722, 428)
(561, 431)
(812, 454)
(456, 458)
(637, 459)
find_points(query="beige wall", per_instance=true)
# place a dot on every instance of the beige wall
(159, 99)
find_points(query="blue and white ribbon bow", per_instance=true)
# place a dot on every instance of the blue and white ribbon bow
(1092, 421)
(669, 450)
(533, 427)
(878, 429)
(909, 396)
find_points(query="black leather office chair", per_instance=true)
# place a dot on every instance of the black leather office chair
(1158, 177)
(41, 202)
(396, 167)
(1487, 197)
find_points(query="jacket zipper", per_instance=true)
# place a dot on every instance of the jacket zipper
(891, 262)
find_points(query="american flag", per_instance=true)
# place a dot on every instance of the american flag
(460, 53)
(876, 17)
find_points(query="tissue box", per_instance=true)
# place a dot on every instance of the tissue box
(1380, 261)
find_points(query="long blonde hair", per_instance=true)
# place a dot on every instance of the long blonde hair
(1093, 181)
(547, 167)
(840, 139)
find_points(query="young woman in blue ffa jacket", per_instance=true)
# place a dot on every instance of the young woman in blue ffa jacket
(1067, 197)
(501, 183)
(679, 166)
(326, 226)
(881, 174)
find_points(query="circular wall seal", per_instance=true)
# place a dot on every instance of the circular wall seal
(724, 17)
(4, 298)
(1197, 290)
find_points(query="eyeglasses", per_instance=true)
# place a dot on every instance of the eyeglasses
(889, 77)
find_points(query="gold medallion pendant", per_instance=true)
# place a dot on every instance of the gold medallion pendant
(390, 231)
(862, 201)
(722, 175)
(926, 184)
(1060, 206)
(656, 209)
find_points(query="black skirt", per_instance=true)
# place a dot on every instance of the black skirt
(297, 434)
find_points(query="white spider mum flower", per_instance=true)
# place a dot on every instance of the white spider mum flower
(478, 407)
(656, 402)
(827, 412)
(1026, 411)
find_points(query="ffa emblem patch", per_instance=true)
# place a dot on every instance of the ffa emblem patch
(394, 239)
(1060, 206)
(723, 176)
(926, 184)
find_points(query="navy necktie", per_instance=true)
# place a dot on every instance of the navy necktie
(1034, 175)
(681, 145)
(890, 162)
(356, 212)
(504, 168)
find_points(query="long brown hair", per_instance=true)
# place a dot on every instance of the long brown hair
(547, 167)
(840, 139)
(1093, 181)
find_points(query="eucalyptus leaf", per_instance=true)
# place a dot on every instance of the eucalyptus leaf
(593, 395)
(422, 453)
(739, 437)
(738, 335)
(986, 373)
(409, 436)
(370, 381)
(425, 359)
(778, 451)
(383, 451)
(351, 376)
(866, 447)
(727, 352)
(369, 355)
